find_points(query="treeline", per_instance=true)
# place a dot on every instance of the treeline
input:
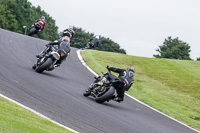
(15, 14)
(82, 37)
(174, 49)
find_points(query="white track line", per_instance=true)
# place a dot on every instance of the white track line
(37, 113)
(83, 62)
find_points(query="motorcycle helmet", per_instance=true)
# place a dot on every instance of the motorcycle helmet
(66, 38)
(69, 33)
(97, 37)
(131, 71)
(43, 17)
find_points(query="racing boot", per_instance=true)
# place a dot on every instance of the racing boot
(118, 99)
(51, 68)
(34, 66)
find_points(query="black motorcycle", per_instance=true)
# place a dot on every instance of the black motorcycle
(47, 60)
(89, 45)
(37, 27)
(104, 90)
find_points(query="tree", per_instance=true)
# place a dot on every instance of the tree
(7, 20)
(81, 38)
(174, 49)
(198, 59)
(14, 14)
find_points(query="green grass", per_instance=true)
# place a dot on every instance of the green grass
(170, 86)
(15, 119)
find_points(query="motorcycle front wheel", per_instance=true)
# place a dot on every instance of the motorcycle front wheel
(32, 31)
(44, 65)
(86, 93)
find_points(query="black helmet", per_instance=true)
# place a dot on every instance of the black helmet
(69, 32)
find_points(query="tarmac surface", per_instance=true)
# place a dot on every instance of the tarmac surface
(59, 94)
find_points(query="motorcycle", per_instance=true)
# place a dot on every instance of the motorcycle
(47, 60)
(89, 45)
(37, 27)
(104, 89)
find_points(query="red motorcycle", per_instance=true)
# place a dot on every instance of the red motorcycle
(37, 27)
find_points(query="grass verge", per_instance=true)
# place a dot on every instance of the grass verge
(15, 119)
(170, 86)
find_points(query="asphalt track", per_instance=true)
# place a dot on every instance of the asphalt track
(58, 94)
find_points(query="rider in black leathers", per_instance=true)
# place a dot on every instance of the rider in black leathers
(63, 50)
(93, 43)
(125, 79)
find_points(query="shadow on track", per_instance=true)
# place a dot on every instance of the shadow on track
(47, 74)
(107, 104)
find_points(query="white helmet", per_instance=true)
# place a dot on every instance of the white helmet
(97, 37)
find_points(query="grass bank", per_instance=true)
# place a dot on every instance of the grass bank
(15, 119)
(170, 86)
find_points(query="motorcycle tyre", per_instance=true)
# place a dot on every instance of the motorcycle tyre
(32, 31)
(44, 66)
(106, 96)
(86, 93)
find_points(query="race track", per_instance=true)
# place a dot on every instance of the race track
(58, 94)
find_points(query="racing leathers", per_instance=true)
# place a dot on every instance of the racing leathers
(63, 48)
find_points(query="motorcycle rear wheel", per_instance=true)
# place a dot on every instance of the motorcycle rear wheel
(106, 96)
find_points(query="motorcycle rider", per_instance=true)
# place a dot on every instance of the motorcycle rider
(125, 80)
(63, 45)
(94, 42)
(42, 19)
(68, 32)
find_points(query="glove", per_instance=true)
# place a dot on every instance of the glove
(96, 77)
(108, 67)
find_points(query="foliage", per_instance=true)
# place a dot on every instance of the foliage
(107, 44)
(82, 37)
(14, 14)
(174, 49)
(7, 20)
(198, 59)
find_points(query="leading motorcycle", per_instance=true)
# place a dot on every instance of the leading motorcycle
(104, 90)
